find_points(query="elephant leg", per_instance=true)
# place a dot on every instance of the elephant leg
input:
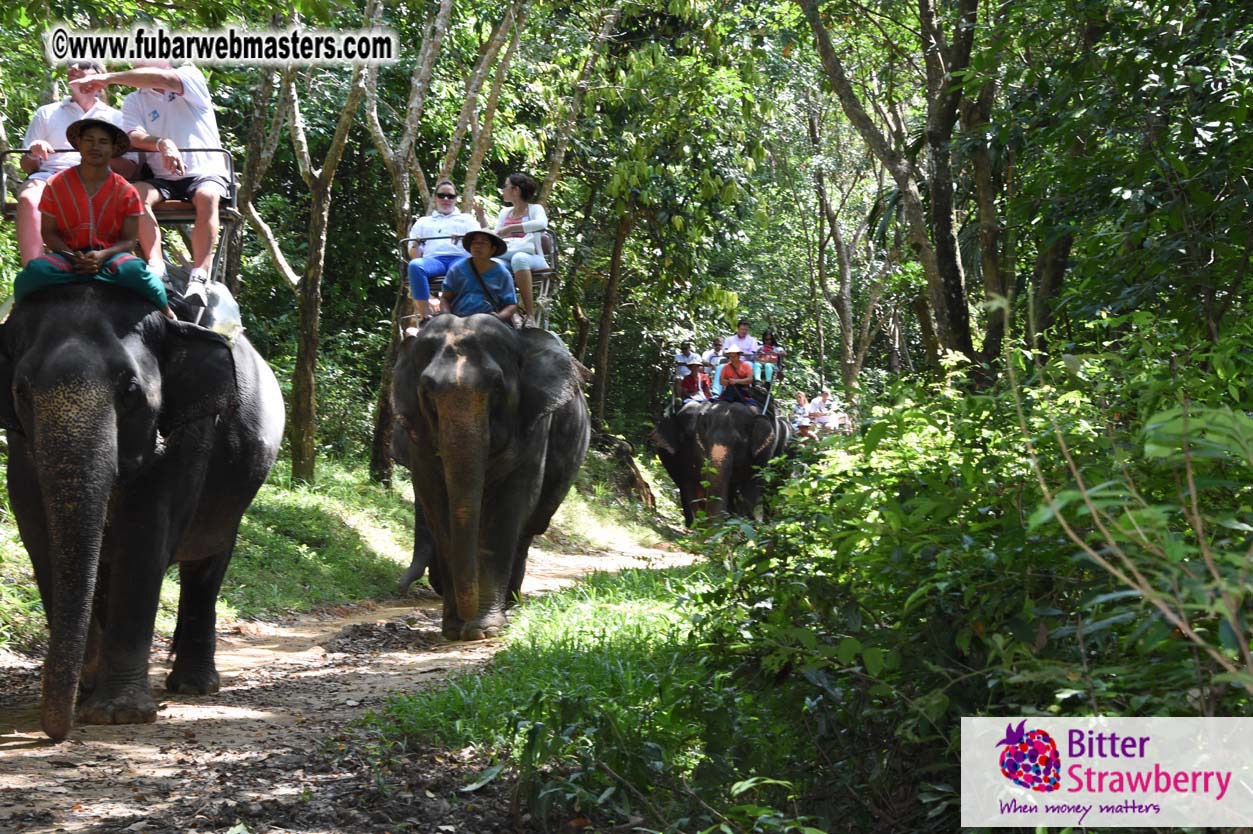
(685, 500)
(423, 551)
(92, 658)
(519, 571)
(195, 637)
(452, 624)
(122, 694)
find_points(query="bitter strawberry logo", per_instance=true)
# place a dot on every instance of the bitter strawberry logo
(1030, 759)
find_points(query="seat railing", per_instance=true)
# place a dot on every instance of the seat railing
(170, 215)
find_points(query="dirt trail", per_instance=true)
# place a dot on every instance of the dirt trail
(254, 752)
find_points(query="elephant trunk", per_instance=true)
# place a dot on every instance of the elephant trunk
(464, 440)
(719, 492)
(75, 450)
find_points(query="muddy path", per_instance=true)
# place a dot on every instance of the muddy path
(272, 751)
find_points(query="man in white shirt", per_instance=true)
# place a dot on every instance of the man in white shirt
(439, 244)
(820, 410)
(172, 109)
(746, 342)
(45, 135)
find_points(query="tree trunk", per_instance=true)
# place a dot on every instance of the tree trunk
(926, 328)
(570, 113)
(474, 84)
(253, 168)
(1050, 270)
(397, 162)
(940, 261)
(303, 426)
(575, 284)
(381, 441)
(600, 386)
(304, 407)
(483, 137)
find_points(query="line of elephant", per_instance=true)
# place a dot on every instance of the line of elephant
(136, 442)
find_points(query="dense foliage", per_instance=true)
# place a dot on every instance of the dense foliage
(1028, 278)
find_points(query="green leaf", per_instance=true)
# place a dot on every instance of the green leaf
(848, 649)
(874, 661)
(484, 778)
(873, 436)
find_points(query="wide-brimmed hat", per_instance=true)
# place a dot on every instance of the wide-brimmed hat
(121, 143)
(498, 244)
(698, 363)
(732, 349)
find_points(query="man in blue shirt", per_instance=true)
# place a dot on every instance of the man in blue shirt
(479, 284)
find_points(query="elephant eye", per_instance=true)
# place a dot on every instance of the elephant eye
(131, 392)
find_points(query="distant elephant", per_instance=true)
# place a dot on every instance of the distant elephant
(722, 444)
(134, 442)
(496, 428)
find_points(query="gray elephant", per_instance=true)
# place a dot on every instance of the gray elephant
(134, 442)
(723, 445)
(495, 428)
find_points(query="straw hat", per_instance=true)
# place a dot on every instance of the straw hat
(498, 245)
(121, 143)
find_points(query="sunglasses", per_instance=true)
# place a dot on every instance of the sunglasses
(446, 196)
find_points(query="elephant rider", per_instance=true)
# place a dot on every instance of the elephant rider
(745, 341)
(478, 284)
(695, 386)
(44, 137)
(436, 244)
(90, 221)
(737, 376)
(172, 108)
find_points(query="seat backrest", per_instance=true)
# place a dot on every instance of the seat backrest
(549, 243)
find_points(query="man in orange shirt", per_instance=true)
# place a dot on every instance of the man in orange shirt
(90, 221)
(736, 377)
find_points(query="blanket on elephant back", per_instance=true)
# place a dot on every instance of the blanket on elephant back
(123, 270)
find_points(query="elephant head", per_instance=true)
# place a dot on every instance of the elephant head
(713, 451)
(87, 407)
(473, 395)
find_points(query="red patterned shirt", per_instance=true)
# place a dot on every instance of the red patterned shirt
(89, 222)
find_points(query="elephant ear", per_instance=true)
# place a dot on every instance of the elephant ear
(548, 378)
(769, 435)
(400, 444)
(666, 435)
(197, 375)
(8, 413)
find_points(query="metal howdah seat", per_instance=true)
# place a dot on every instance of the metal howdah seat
(168, 212)
(543, 281)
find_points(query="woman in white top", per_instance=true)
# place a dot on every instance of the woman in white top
(520, 225)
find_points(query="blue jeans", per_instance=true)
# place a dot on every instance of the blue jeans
(422, 270)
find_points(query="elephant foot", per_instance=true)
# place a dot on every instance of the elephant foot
(132, 704)
(479, 629)
(185, 680)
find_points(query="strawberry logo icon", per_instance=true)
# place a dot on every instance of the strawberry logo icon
(1030, 759)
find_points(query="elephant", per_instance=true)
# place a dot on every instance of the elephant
(135, 441)
(495, 429)
(723, 444)
(423, 543)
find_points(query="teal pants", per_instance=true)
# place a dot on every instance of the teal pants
(123, 270)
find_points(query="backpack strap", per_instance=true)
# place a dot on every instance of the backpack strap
(491, 296)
